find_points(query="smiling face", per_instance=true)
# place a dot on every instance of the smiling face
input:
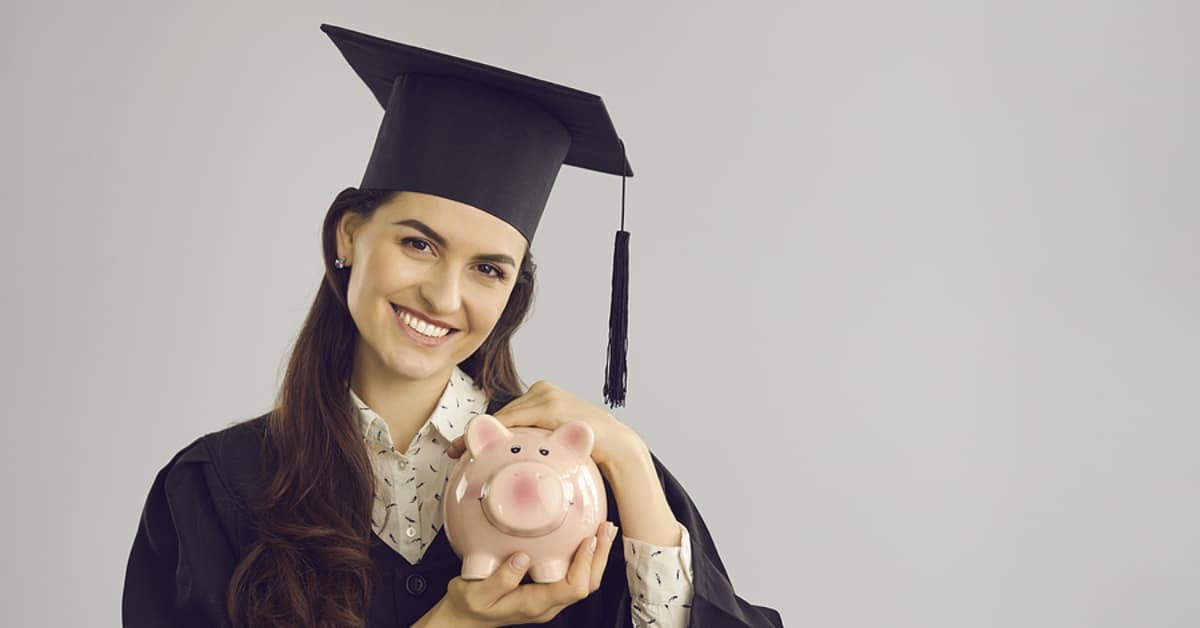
(427, 260)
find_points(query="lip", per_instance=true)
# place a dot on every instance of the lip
(421, 316)
(416, 337)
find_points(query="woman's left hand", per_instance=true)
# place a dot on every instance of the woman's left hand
(548, 406)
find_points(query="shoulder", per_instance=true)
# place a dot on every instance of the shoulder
(228, 460)
(235, 450)
(235, 453)
(200, 499)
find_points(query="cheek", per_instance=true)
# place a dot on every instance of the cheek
(486, 309)
(387, 274)
(389, 266)
(377, 278)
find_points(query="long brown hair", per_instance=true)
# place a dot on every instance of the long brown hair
(310, 565)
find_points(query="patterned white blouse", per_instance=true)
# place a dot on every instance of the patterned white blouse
(409, 487)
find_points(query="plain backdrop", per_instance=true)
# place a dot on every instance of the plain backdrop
(913, 312)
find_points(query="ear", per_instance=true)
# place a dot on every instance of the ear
(483, 430)
(347, 225)
(575, 437)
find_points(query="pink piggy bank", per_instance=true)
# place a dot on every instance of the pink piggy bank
(523, 489)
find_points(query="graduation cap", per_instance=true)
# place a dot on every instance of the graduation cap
(492, 139)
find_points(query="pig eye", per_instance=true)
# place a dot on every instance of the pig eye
(516, 449)
(544, 451)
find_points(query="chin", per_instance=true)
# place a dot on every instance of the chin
(409, 367)
(411, 364)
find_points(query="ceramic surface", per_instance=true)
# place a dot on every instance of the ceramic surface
(523, 489)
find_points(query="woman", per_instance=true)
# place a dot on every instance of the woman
(325, 511)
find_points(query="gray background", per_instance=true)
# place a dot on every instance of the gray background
(913, 302)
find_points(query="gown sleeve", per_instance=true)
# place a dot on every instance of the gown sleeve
(183, 553)
(714, 602)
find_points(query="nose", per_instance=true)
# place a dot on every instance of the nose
(440, 290)
(526, 499)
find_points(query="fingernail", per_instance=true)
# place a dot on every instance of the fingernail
(612, 531)
(520, 561)
(592, 544)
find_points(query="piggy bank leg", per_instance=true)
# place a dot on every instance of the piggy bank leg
(549, 571)
(478, 566)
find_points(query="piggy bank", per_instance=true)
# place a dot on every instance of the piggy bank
(523, 489)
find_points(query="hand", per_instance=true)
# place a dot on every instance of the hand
(501, 599)
(548, 406)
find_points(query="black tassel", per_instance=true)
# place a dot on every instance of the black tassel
(618, 324)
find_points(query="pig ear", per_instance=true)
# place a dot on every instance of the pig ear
(576, 437)
(483, 430)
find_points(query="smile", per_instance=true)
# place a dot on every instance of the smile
(428, 330)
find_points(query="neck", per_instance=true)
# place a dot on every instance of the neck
(403, 404)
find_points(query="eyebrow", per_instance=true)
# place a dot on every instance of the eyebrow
(441, 241)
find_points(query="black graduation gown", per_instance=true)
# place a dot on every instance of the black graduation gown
(195, 528)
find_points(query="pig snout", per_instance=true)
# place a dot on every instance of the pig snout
(526, 499)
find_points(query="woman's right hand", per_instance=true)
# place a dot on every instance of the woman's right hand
(501, 599)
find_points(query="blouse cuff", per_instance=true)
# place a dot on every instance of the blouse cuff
(660, 575)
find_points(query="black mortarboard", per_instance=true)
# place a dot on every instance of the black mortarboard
(492, 139)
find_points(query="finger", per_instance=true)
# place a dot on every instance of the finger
(545, 600)
(608, 536)
(579, 581)
(502, 581)
(535, 415)
(532, 397)
(457, 447)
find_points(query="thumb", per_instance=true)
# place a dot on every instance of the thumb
(506, 577)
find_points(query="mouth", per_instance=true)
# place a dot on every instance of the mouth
(421, 330)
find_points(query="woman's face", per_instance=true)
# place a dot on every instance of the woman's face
(433, 259)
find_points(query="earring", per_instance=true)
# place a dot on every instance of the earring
(339, 262)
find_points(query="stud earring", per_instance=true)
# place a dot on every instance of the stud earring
(339, 262)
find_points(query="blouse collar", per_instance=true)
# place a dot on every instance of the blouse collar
(460, 400)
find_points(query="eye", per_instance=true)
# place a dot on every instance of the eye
(516, 449)
(544, 451)
(424, 246)
(499, 274)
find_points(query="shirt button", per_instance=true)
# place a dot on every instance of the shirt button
(415, 585)
(411, 532)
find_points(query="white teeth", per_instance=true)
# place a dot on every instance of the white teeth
(422, 327)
